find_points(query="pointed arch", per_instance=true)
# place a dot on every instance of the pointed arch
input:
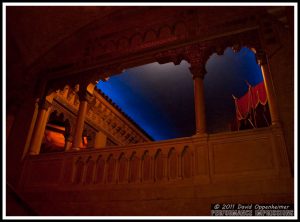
(111, 168)
(79, 168)
(89, 174)
(186, 161)
(134, 168)
(100, 169)
(172, 164)
(146, 166)
(150, 36)
(123, 168)
(136, 40)
(159, 165)
(164, 32)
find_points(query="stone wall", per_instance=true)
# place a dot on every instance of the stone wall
(176, 177)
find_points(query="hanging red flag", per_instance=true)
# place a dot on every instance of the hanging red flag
(245, 106)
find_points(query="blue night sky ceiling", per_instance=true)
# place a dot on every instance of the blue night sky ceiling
(160, 98)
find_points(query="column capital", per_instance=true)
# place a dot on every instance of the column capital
(44, 104)
(197, 56)
(261, 57)
(84, 96)
(198, 71)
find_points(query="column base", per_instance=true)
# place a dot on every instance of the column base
(68, 146)
(276, 124)
(75, 149)
(70, 150)
(200, 134)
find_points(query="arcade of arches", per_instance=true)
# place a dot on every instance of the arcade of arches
(109, 162)
(105, 124)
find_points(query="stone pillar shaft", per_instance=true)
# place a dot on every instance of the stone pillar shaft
(262, 60)
(198, 72)
(77, 139)
(199, 106)
(39, 129)
(197, 56)
(68, 144)
(100, 140)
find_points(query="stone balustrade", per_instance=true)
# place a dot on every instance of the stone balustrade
(243, 155)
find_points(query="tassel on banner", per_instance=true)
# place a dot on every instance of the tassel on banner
(246, 106)
(248, 84)
(237, 113)
(251, 106)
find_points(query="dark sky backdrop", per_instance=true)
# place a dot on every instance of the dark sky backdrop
(160, 98)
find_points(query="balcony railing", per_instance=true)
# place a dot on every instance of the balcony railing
(205, 159)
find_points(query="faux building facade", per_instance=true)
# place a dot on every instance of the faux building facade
(80, 45)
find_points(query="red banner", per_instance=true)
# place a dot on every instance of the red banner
(255, 95)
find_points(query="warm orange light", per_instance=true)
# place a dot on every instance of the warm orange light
(56, 126)
(57, 139)
(84, 143)
(85, 140)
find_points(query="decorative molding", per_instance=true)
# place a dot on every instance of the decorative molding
(101, 115)
(44, 104)
(172, 55)
(197, 56)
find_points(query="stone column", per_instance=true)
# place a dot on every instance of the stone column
(77, 138)
(30, 132)
(197, 56)
(68, 143)
(262, 61)
(198, 72)
(68, 135)
(100, 140)
(39, 128)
